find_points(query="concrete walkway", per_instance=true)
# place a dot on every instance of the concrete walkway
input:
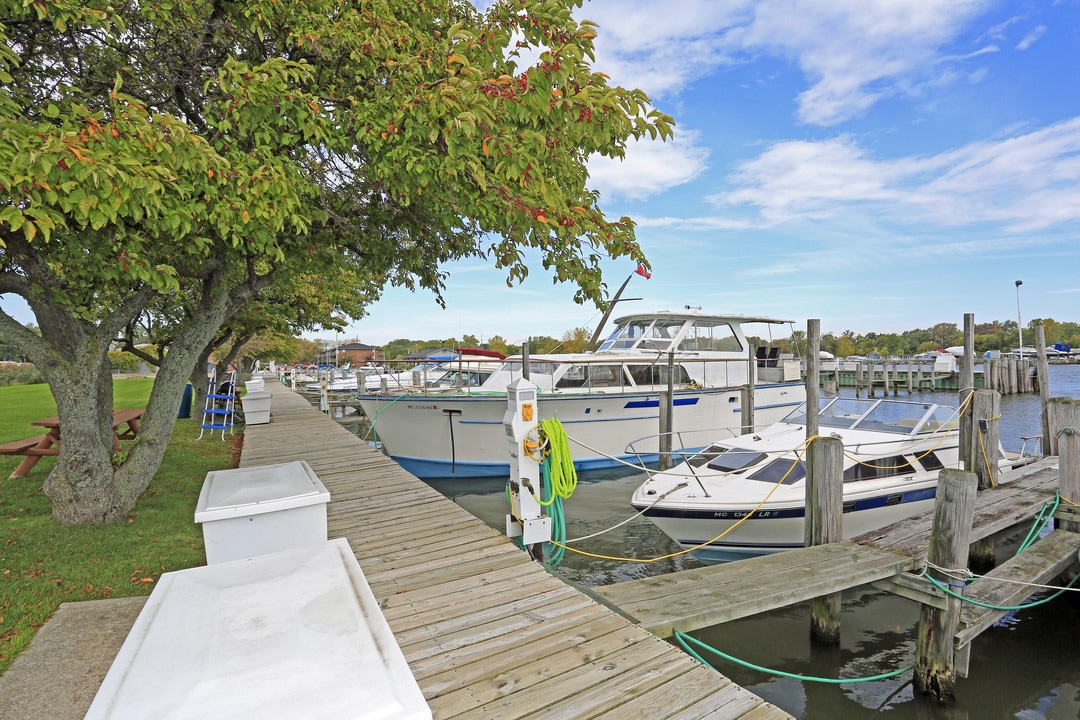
(57, 677)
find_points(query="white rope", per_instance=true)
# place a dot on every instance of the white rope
(632, 517)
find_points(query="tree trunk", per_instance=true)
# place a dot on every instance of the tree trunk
(84, 487)
(80, 485)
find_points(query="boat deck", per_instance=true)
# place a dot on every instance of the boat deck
(486, 631)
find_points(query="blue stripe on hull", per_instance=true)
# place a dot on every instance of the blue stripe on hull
(798, 512)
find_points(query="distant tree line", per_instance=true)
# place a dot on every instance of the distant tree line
(997, 335)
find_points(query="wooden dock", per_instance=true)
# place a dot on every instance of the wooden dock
(694, 599)
(486, 631)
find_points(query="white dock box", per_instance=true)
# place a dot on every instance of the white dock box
(295, 634)
(258, 510)
(255, 384)
(256, 407)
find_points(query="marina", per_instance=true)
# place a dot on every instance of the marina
(487, 632)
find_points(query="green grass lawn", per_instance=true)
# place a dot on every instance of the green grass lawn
(44, 564)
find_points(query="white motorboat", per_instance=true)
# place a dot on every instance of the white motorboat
(746, 495)
(604, 399)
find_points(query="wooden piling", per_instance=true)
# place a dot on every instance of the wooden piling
(1044, 383)
(824, 524)
(986, 436)
(813, 370)
(1066, 414)
(667, 416)
(954, 508)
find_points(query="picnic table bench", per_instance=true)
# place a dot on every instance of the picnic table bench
(34, 448)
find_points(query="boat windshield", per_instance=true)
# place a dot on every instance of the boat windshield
(651, 334)
(892, 416)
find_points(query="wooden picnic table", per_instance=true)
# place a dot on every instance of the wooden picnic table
(125, 427)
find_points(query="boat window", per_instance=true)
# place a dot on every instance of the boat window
(716, 337)
(736, 459)
(946, 418)
(591, 376)
(660, 335)
(706, 455)
(930, 461)
(787, 469)
(626, 336)
(901, 417)
(657, 374)
(879, 468)
(797, 416)
(843, 412)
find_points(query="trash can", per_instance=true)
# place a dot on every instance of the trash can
(185, 403)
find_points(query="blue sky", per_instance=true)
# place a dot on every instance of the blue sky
(879, 165)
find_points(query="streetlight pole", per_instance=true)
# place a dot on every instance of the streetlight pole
(1019, 327)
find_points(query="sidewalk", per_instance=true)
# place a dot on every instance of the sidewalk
(59, 674)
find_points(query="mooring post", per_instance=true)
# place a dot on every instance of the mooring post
(985, 436)
(967, 387)
(667, 415)
(954, 508)
(813, 375)
(1044, 384)
(824, 524)
(983, 443)
(1066, 429)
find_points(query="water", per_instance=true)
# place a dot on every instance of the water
(1025, 668)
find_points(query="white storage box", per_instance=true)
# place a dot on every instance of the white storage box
(296, 634)
(256, 407)
(255, 385)
(258, 510)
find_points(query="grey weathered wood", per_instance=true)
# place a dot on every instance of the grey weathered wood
(954, 508)
(986, 432)
(698, 598)
(1043, 375)
(1006, 585)
(667, 410)
(1067, 416)
(824, 524)
(813, 375)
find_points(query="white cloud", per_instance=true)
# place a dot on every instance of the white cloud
(1031, 38)
(662, 47)
(1025, 182)
(650, 166)
(854, 52)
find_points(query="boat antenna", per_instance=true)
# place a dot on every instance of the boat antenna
(610, 307)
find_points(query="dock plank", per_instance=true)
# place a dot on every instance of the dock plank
(698, 598)
(1005, 586)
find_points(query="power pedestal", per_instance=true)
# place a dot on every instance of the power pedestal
(527, 519)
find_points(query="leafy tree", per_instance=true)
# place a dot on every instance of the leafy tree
(199, 151)
(575, 340)
(499, 345)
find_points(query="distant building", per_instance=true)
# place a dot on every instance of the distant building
(353, 353)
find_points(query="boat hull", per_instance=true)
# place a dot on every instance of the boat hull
(774, 529)
(464, 436)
